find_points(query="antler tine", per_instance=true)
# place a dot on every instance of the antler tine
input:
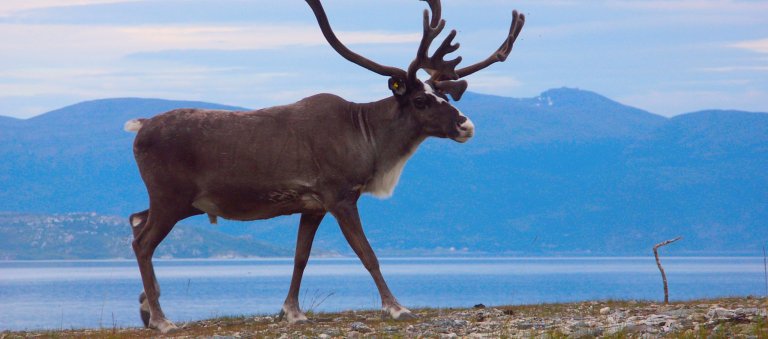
(437, 11)
(518, 20)
(430, 33)
(322, 20)
(440, 69)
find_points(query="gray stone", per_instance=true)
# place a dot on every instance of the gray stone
(390, 329)
(359, 327)
(524, 326)
(635, 328)
(579, 324)
(719, 313)
(333, 332)
(587, 333)
(656, 320)
(683, 312)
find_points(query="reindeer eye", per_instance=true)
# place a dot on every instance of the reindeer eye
(420, 102)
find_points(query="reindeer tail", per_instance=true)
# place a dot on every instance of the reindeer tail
(133, 125)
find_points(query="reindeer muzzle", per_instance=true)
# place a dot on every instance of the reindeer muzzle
(465, 128)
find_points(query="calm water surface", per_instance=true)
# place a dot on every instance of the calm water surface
(77, 294)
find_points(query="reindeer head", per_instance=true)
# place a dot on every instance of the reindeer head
(428, 101)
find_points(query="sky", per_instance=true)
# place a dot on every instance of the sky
(668, 57)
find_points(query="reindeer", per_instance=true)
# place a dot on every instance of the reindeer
(312, 157)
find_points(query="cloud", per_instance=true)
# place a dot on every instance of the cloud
(727, 69)
(11, 6)
(492, 83)
(691, 5)
(88, 42)
(673, 102)
(759, 46)
(254, 37)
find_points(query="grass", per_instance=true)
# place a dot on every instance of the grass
(506, 322)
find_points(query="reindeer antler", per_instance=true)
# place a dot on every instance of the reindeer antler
(518, 20)
(322, 20)
(436, 66)
(443, 73)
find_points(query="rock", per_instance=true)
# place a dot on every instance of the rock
(747, 311)
(333, 332)
(479, 306)
(262, 320)
(445, 325)
(353, 335)
(323, 336)
(448, 336)
(460, 322)
(587, 333)
(390, 329)
(579, 324)
(698, 317)
(671, 326)
(605, 310)
(719, 313)
(611, 330)
(682, 312)
(656, 320)
(524, 326)
(360, 327)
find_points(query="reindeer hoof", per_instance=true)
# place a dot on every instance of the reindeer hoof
(144, 309)
(163, 325)
(294, 317)
(397, 312)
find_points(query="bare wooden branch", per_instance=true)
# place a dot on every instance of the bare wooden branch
(765, 270)
(661, 269)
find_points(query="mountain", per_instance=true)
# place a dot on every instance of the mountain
(556, 116)
(567, 172)
(93, 236)
(78, 158)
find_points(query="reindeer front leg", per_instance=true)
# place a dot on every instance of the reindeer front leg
(349, 221)
(307, 228)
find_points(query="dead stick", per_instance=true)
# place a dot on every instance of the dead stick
(658, 263)
(765, 270)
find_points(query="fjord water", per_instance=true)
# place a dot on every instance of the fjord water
(104, 294)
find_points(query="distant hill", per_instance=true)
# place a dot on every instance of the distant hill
(78, 158)
(567, 172)
(93, 236)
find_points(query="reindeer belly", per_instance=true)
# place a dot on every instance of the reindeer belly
(257, 205)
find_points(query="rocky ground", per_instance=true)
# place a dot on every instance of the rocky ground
(721, 318)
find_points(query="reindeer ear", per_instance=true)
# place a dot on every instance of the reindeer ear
(454, 88)
(397, 86)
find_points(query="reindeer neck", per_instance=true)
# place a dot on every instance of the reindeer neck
(390, 133)
(392, 137)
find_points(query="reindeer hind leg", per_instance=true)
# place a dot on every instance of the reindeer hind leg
(150, 228)
(137, 222)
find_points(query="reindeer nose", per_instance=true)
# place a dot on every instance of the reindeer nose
(465, 128)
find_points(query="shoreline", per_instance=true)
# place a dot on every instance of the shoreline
(414, 258)
(745, 317)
